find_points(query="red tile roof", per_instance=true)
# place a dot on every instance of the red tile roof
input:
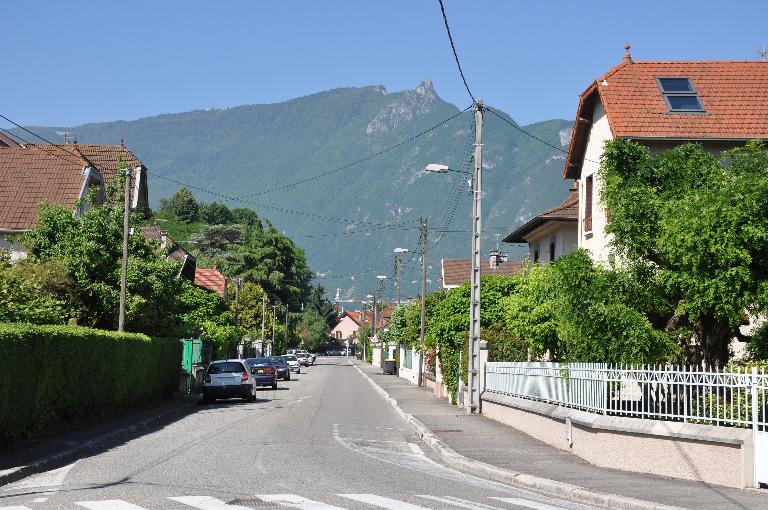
(567, 210)
(734, 95)
(7, 141)
(382, 319)
(30, 176)
(457, 271)
(212, 280)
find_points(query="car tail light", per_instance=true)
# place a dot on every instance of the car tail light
(244, 376)
(270, 370)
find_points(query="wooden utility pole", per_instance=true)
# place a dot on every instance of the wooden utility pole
(124, 270)
(423, 246)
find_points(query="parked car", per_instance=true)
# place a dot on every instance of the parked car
(282, 367)
(263, 371)
(302, 357)
(293, 362)
(312, 358)
(334, 352)
(228, 378)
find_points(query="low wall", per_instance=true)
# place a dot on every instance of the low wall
(717, 455)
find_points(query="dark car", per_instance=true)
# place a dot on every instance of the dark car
(264, 372)
(228, 378)
(283, 370)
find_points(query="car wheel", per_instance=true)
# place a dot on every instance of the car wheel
(206, 399)
(288, 377)
(298, 370)
(251, 398)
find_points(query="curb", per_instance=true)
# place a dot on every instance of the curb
(482, 470)
(58, 459)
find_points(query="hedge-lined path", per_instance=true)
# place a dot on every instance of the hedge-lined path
(328, 432)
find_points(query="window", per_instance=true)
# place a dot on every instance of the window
(226, 367)
(551, 252)
(588, 204)
(535, 256)
(407, 358)
(680, 95)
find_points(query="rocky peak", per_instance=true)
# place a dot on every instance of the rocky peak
(403, 109)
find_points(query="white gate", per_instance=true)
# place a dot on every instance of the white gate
(761, 458)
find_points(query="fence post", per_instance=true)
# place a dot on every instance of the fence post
(605, 389)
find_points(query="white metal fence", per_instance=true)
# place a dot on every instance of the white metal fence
(732, 397)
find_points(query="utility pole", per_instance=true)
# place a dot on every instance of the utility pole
(263, 316)
(423, 246)
(274, 318)
(285, 337)
(124, 271)
(238, 286)
(381, 279)
(474, 303)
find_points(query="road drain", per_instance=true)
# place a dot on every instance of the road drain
(256, 503)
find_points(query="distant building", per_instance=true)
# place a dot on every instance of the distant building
(187, 261)
(456, 272)
(212, 280)
(551, 234)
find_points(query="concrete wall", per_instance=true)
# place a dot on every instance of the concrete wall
(717, 455)
(409, 374)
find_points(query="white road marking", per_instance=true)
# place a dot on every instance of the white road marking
(382, 502)
(53, 479)
(109, 504)
(535, 505)
(15, 508)
(39, 500)
(461, 503)
(295, 501)
(206, 503)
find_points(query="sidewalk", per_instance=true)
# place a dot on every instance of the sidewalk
(481, 439)
(37, 455)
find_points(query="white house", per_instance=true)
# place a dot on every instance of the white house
(719, 104)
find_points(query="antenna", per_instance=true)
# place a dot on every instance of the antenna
(497, 241)
(763, 54)
(67, 135)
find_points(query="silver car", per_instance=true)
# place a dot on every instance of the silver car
(228, 378)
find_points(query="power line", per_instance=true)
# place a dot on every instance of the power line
(532, 135)
(455, 55)
(362, 160)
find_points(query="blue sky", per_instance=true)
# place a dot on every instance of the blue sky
(68, 63)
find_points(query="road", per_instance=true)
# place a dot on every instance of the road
(325, 440)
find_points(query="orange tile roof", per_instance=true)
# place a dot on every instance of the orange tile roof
(30, 176)
(457, 271)
(567, 210)
(734, 95)
(212, 280)
(7, 141)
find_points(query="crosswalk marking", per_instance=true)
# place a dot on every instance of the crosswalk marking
(206, 503)
(461, 503)
(382, 502)
(295, 501)
(109, 504)
(527, 503)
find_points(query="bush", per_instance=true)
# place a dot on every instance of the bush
(56, 377)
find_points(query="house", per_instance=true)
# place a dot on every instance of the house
(455, 272)
(212, 280)
(551, 234)
(62, 175)
(718, 104)
(348, 325)
(174, 251)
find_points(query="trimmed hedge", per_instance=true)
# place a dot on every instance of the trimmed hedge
(54, 377)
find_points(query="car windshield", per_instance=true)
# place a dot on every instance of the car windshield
(289, 357)
(259, 361)
(226, 367)
(278, 360)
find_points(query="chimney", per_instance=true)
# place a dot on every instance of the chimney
(627, 57)
(497, 257)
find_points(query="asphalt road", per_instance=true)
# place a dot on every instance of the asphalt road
(324, 440)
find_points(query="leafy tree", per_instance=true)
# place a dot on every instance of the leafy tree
(758, 345)
(182, 204)
(245, 217)
(90, 248)
(318, 302)
(36, 293)
(313, 331)
(698, 223)
(215, 213)
(251, 304)
(215, 242)
(531, 312)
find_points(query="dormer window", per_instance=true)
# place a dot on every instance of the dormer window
(680, 95)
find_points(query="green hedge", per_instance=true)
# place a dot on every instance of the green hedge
(54, 377)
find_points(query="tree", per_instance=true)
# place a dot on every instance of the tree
(215, 213)
(251, 304)
(90, 248)
(698, 223)
(182, 204)
(245, 217)
(318, 302)
(36, 293)
(314, 331)
(215, 242)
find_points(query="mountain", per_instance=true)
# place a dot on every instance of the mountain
(248, 149)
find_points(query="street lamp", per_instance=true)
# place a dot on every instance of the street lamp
(473, 403)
